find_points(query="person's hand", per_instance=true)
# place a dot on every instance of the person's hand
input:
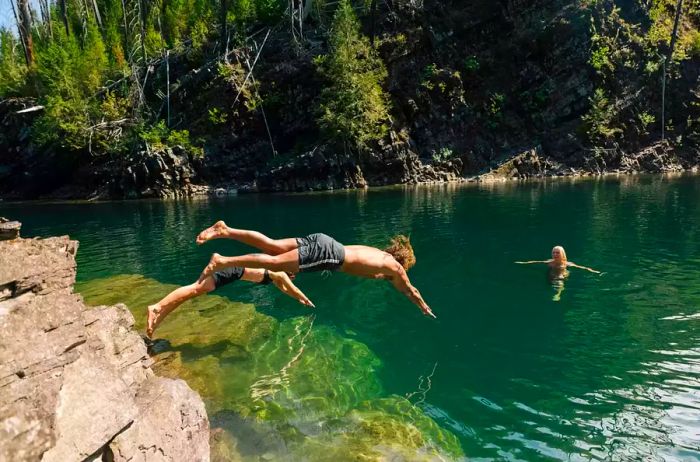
(427, 311)
(285, 284)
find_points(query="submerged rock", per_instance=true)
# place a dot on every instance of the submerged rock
(284, 390)
(76, 383)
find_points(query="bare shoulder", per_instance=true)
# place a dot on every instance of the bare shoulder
(392, 266)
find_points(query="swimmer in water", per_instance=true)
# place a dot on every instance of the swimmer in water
(558, 269)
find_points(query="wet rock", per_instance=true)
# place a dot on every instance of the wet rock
(76, 383)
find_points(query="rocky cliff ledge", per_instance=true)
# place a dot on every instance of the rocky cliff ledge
(76, 383)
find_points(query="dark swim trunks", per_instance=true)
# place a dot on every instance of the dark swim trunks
(319, 252)
(227, 276)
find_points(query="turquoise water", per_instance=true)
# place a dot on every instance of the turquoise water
(611, 371)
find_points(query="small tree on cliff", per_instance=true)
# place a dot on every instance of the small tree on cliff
(354, 108)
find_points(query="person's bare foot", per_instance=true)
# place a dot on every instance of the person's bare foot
(213, 232)
(153, 319)
(213, 266)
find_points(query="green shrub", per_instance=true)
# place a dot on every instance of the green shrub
(159, 137)
(353, 106)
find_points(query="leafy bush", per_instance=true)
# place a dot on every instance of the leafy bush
(13, 69)
(443, 154)
(598, 122)
(472, 64)
(159, 136)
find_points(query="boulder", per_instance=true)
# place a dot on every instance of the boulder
(76, 382)
(9, 229)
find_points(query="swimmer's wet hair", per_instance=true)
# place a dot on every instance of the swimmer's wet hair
(400, 248)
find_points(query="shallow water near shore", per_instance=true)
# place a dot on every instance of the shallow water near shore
(611, 371)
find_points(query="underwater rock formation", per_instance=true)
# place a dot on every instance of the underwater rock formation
(283, 390)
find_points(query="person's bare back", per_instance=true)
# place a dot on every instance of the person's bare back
(368, 262)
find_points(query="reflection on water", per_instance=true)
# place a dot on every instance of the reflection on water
(610, 372)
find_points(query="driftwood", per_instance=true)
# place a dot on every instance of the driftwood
(30, 109)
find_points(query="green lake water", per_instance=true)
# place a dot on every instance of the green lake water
(609, 372)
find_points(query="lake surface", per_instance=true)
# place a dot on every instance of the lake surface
(611, 371)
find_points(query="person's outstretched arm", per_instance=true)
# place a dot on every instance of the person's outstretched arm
(532, 261)
(574, 265)
(281, 280)
(400, 280)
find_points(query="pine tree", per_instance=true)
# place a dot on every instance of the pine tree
(354, 107)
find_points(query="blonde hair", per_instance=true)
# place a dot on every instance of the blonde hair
(400, 248)
(561, 250)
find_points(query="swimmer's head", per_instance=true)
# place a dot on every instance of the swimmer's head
(558, 253)
(400, 248)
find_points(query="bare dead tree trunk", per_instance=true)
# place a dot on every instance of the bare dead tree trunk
(25, 20)
(308, 5)
(98, 17)
(127, 49)
(667, 61)
(167, 81)
(224, 23)
(373, 14)
(45, 10)
(19, 30)
(164, 32)
(64, 15)
(142, 21)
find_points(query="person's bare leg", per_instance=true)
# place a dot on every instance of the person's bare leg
(220, 230)
(287, 262)
(158, 311)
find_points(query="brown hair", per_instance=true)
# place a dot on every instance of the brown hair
(400, 248)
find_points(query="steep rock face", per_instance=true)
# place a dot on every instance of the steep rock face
(76, 383)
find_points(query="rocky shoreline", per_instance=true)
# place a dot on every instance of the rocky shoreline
(169, 174)
(76, 382)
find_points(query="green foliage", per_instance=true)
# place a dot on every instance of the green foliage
(599, 58)
(13, 69)
(694, 44)
(646, 119)
(494, 109)
(430, 71)
(598, 121)
(159, 136)
(65, 122)
(354, 107)
(443, 154)
(472, 64)
(217, 116)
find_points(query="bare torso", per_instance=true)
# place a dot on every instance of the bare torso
(557, 271)
(367, 262)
